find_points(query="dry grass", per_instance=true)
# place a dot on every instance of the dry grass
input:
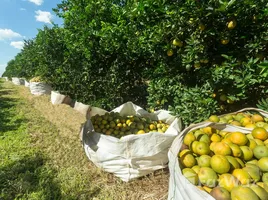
(55, 131)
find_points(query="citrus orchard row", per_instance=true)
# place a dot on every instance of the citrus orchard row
(227, 165)
(115, 125)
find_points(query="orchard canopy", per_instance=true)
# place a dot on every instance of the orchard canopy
(191, 57)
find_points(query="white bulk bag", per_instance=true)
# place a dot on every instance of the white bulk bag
(131, 156)
(179, 187)
(57, 98)
(82, 108)
(26, 83)
(17, 81)
(6, 78)
(39, 88)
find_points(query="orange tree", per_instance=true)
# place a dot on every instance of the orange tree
(199, 57)
(214, 51)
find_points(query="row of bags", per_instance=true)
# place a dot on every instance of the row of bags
(39, 88)
(36, 88)
(131, 156)
(134, 156)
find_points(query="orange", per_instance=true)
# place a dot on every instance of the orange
(242, 176)
(231, 24)
(214, 118)
(212, 145)
(220, 164)
(260, 133)
(190, 175)
(227, 181)
(224, 41)
(222, 148)
(247, 153)
(236, 123)
(177, 42)
(184, 152)
(140, 132)
(252, 144)
(223, 97)
(245, 121)
(257, 118)
(263, 164)
(215, 138)
(202, 148)
(250, 126)
(189, 138)
(241, 193)
(188, 160)
(226, 140)
(239, 138)
(170, 52)
(207, 176)
(208, 130)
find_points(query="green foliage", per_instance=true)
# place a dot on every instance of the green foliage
(107, 50)
(263, 104)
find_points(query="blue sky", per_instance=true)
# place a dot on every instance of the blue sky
(19, 20)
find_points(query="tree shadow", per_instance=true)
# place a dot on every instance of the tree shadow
(28, 178)
(7, 112)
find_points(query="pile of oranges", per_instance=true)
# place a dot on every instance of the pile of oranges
(227, 165)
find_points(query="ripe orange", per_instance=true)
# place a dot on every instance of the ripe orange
(239, 138)
(250, 126)
(260, 133)
(208, 130)
(188, 160)
(236, 123)
(189, 138)
(257, 118)
(245, 121)
(221, 148)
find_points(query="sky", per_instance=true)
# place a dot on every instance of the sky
(20, 20)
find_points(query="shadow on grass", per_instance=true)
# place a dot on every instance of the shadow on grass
(7, 111)
(27, 178)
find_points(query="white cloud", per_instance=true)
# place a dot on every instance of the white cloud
(17, 44)
(37, 2)
(22, 9)
(8, 34)
(43, 16)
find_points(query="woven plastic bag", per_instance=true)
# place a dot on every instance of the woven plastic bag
(131, 156)
(39, 88)
(179, 187)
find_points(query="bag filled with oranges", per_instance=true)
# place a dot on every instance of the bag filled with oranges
(219, 161)
(129, 141)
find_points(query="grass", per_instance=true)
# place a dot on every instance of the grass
(41, 156)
